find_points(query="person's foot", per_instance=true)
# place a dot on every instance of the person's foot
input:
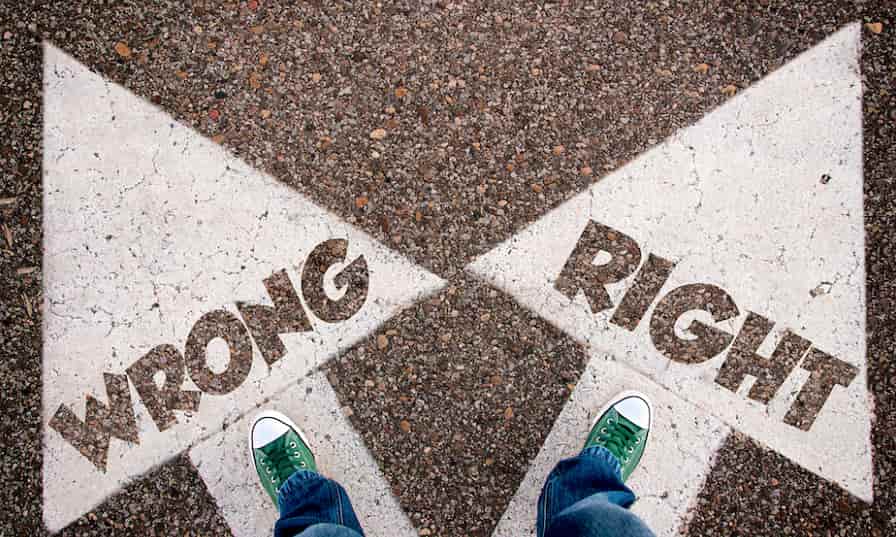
(279, 449)
(622, 428)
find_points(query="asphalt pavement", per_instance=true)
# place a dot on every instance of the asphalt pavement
(440, 130)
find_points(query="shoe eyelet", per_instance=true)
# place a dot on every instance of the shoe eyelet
(292, 445)
(302, 464)
(603, 430)
(611, 421)
(631, 450)
(296, 454)
(637, 441)
(269, 470)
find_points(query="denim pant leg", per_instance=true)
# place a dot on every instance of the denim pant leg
(585, 497)
(313, 506)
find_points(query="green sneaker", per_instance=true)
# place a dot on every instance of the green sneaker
(622, 428)
(279, 450)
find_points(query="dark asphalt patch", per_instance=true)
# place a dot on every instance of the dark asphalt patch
(454, 397)
(169, 500)
(20, 279)
(754, 491)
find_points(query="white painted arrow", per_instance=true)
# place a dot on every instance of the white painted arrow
(149, 227)
(339, 452)
(762, 198)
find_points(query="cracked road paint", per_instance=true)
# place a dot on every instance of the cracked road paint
(153, 236)
(735, 238)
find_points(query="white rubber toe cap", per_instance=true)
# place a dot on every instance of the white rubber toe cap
(267, 430)
(270, 425)
(635, 409)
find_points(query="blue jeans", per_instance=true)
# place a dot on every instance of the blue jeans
(313, 506)
(583, 497)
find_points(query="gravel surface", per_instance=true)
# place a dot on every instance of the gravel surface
(169, 500)
(754, 491)
(440, 128)
(454, 396)
(20, 279)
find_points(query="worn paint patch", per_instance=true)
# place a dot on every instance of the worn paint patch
(727, 264)
(183, 287)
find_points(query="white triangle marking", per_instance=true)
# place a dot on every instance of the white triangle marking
(738, 201)
(340, 454)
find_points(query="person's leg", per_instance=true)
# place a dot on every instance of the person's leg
(310, 505)
(586, 496)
